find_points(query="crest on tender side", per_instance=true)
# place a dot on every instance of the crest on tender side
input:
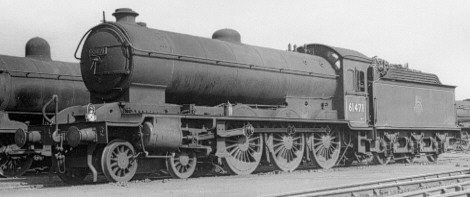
(418, 105)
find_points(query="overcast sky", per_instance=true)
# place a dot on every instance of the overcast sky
(431, 36)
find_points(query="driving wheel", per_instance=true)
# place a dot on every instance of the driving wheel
(244, 153)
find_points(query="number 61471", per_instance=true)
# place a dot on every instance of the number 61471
(357, 107)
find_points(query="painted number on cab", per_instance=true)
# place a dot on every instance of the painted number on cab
(357, 107)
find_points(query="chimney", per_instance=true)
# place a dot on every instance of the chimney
(125, 15)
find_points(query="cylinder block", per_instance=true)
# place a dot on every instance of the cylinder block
(162, 134)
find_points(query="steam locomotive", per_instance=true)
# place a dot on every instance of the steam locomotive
(463, 119)
(26, 84)
(164, 100)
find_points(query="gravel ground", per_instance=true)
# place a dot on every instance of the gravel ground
(261, 184)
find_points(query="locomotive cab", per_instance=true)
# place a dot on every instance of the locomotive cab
(351, 98)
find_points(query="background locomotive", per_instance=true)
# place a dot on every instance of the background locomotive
(27, 83)
(463, 118)
(165, 100)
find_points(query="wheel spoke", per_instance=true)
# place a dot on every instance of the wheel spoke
(237, 153)
(276, 151)
(318, 147)
(331, 149)
(277, 139)
(179, 167)
(290, 156)
(297, 144)
(277, 145)
(294, 149)
(323, 152)
(232, 146)
(283, 153)
(247, 156)
(251, 149)
(253, 139)
(115, 169)
(113, 164)
(233, 150)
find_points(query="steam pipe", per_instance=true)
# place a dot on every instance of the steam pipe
(89, 159)
(54, 98)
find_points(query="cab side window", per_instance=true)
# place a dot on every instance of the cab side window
(356, 79)
(360, 81)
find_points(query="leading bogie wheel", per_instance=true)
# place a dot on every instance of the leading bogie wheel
(118, 162)
(244, 153)
(182, 165)
(325, 148)
(286, 150)
(15, 166)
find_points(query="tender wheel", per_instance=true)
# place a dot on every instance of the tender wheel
(183, 165)
(433, 157)
(117, 161)
(325, 148)
(380, 158)
(367, 159)
(410, 158)
(286, 150)
(14, 166)
(350, 158)
(405, 158)
(465, 144)
(73, 176)
(244, 153)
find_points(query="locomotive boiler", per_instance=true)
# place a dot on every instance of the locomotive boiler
(26, 84)
(164, 100)
(195, 70)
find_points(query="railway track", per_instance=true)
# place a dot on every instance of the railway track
(29, 182)
(43, 180)
(35, 180)
(448, 183)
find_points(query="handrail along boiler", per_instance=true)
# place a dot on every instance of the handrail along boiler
(164, 100)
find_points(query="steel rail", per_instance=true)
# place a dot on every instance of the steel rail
(456, 194)
(375, 186)
(446, 190)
